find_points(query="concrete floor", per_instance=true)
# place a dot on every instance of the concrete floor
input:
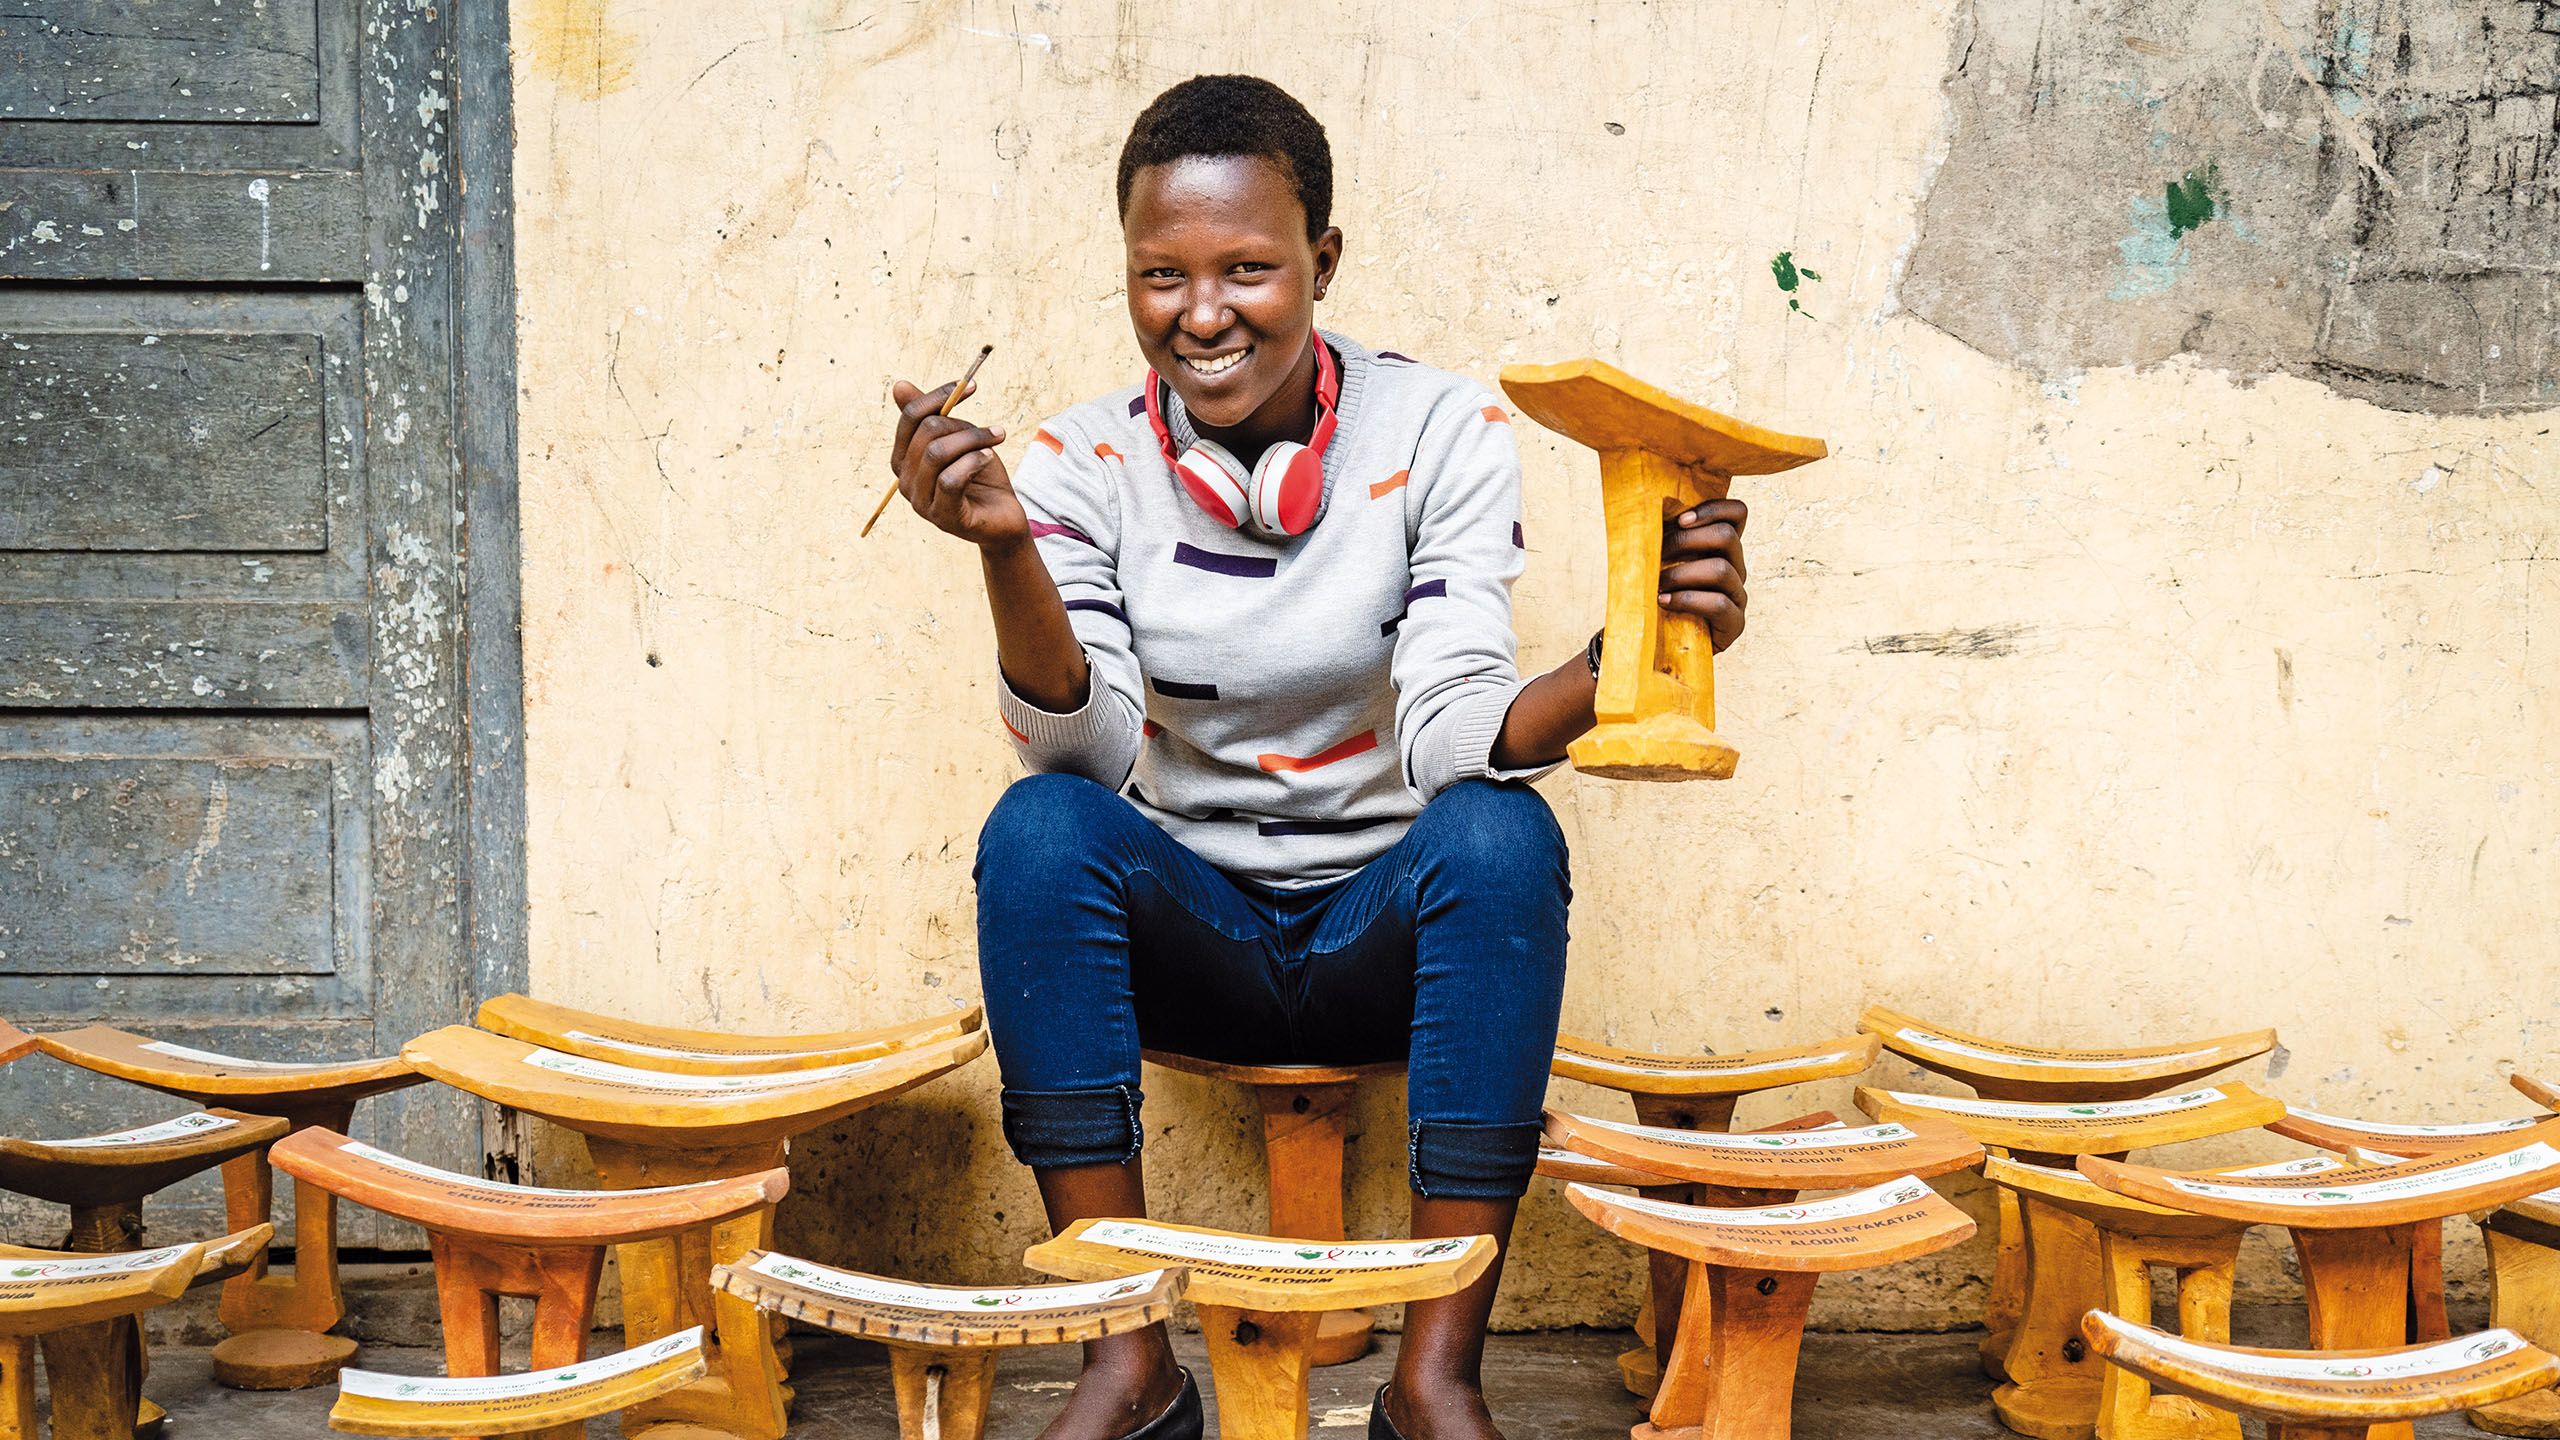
(1556, 1385)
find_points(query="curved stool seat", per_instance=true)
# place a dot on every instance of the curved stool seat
(1306, 1121)
(1731, 1375)
(707, 1052)
(2329, 1394)
(14, 1043)
(1767, 1162)
(1259, 1298)
(2524, 1296)
(2000, 1069)
(942, 1339)
(556, 1399)
(2354, 1230)
(279, 1324)
(1566, 1165)
(80, 1308)
(646, 1128)
(2050, 1388)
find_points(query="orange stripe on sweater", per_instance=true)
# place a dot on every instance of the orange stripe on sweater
(1391, 483)
(1494, 414)
(1056, 445)
(1105, 452)
(1009, 730)
(1363, 742)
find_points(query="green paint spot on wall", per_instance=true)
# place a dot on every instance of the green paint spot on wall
(1791, 276)
(2194, 198)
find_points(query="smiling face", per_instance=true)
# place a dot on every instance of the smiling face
(1223, 282)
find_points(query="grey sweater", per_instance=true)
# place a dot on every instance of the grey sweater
(1285, 709)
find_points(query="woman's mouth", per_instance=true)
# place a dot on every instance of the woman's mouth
(1215, 365)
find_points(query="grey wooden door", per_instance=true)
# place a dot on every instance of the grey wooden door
(234, 782)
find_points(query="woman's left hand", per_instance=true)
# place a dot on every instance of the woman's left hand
(1702, 569)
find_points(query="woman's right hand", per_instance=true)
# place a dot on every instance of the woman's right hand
(949, 471)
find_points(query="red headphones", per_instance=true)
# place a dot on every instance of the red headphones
(1283, 493)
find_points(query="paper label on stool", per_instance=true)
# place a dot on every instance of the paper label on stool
(407, 1166)
(234, 1062)
(2436, 1359)
(198, 1123)
(452, 1390)
(2307, 1165)
(1275, 1254)
(2427, 1181)
(1824, 1138)
(2044, 1059)
(40, 1272)
(2370, 1127)
(2052, 1110)
(771, 1083)
(1887, 1196)
(1033, 1299)
(1698, 1064)
(674, 1053)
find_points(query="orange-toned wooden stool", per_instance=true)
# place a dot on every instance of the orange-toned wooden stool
(647, 1128)
(2052, 1389)
(1260, 1296)
(707, 1052)
(2353, 1230)
(1659, 455)
(1751, 1276)
(1692, 1092)
(279, 1326)
(943, 1339)
(2002, 1070)
(491, 1239)
(81, 1308)
(2539, 1092)
(1306, 1118)
(2524, 1296)
(547, 1401)
(2329, 1394)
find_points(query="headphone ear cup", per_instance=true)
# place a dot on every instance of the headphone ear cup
(1217, 481)
(1288, 489)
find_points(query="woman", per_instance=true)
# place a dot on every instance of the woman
(1253, 625)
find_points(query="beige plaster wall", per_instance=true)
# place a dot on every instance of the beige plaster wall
(2125, 705)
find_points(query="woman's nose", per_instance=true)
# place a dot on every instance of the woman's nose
(1206, 314)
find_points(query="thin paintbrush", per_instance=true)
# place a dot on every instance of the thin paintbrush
(956, 392)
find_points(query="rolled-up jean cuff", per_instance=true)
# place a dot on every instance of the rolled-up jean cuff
(1454, 1161)
(1052, 1128)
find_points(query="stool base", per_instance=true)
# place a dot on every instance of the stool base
(280, 1359)
(2062, 1408)
(2536, 1415)
(1342, 1336)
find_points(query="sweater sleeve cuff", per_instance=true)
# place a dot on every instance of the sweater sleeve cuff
(1086, 731)
(1472, 725)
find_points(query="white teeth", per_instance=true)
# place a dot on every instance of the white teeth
(1219, 365)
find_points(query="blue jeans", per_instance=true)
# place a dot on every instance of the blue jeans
(1098, 933)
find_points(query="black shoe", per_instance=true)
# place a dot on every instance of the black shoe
(1380, 1427)
(1181, 1420)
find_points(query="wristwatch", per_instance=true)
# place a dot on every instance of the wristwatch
(1591, 655)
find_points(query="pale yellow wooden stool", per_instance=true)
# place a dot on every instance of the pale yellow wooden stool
(1260, 1296)
(647, 1128)
(2524, 1296)
(2329, 1394)
(550, 1401)
(1752, 1270)
(943, 1339)
(1692, 1092)
(2051, 1388)
(1306, 1119)
(279, 1326)
(491, 1239)
(707, 1052)
(81, 1309)
(2353, 1230)
(2002, 1070)
(1659, 455)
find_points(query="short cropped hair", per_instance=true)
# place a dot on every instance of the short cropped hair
(1234, 115)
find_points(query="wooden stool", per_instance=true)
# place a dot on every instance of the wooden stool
(14, 1042)
(1306, 1116)
(2000, 1070)
(279, 1327)
(943, 1339)
(1259, 1298)
(82, 1309)
(104, 1179)
(705, 1052)
(2524, 1296)
(546, 1401)
(647, 1128)
(2050, 1389)
(1692, 1092)
(2134, 1237)
(2327, 1394)
(1659, 455)
(2546, 1096)
(1732, 1372)
(2353, 1230)
(491, 1239)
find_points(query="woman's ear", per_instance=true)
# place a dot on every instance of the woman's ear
(1328, 249)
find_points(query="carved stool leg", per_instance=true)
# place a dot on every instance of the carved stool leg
(1666, 1275)
(2054, 1381)
(278, 1325)
(470, 1276)
(2427, 1320)
(2008, 1299)
(17, 1387)
(1733, 1372)
(942, 1394)
(108, 1229)
(2128, 1408)
(1303, 1131)
(2356, 1284)
(2524, 1296)
(1258, 1362)
(96, 1375)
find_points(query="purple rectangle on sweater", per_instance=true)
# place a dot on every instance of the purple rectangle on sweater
(1102, 606)
(1044, 527)
(1428, 589)
(1244, 567)
(1182, 689)
(1316, 827)
(1517, 543)
(1138, 405)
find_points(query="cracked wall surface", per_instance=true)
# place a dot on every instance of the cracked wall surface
(2093, 702)
(2364, 192)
